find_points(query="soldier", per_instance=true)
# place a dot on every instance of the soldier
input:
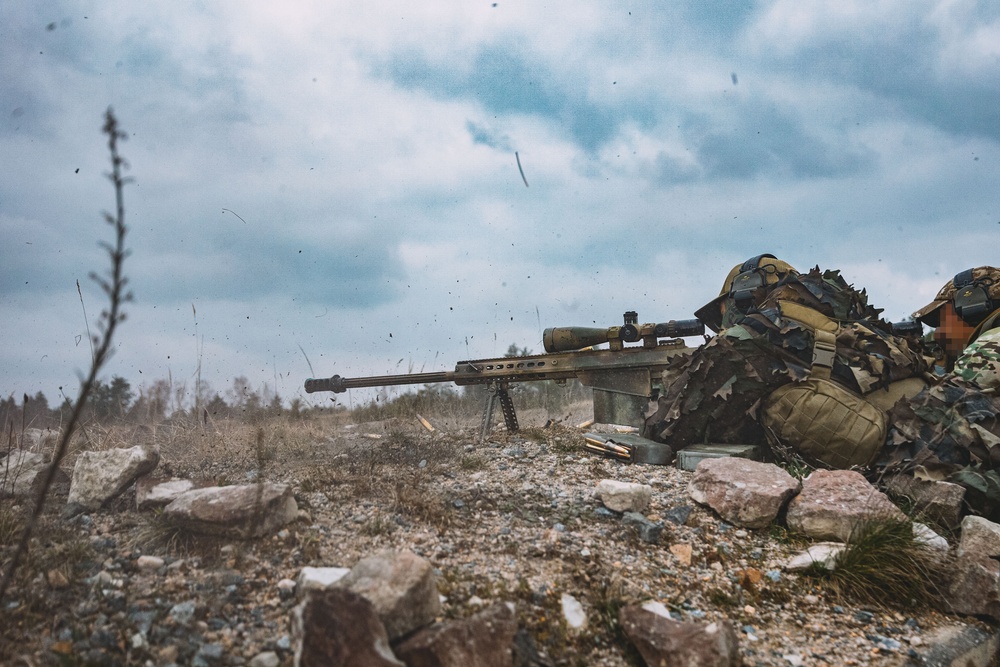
(965, 315)
(951, 431)
(777, 326)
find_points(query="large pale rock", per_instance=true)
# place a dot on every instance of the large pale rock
(664, 641)
(22, 474)
(974, 586)
(483, 640)
(744, 492)
(401, 586)
(36, 439)
(937, 502)
(155, 492)
(833, 502)
(99, 477)
(319, 578)
(250, 510)
(624, 496)
(979, 535)
(338, 627)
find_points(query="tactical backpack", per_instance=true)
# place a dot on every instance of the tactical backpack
(821, 421)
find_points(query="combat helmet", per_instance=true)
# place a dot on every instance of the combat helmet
(975, 294)
(745, 286)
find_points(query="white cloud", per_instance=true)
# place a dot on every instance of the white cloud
(372, 201)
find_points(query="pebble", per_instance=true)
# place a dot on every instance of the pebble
(148, 563)
(265, 659)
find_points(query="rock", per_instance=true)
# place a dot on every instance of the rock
(979, 535)
(624, 496)
(682, 552)
(57, 580)
(647, 530)
(99, 477)
(318, 578)
(678, 515)
(744, 492)
(484, 640)
(923, 534)
(286, 588)
(833, 502)
(22, 474)
(149, 563)
(245, 511)
(663, 641)
(183, 612)
(400, 585)
(937, 502)
(526, 653)
(974, 586)
(265, 659)
(822, 554)
(39, 438)
(573, 613)
(339, 627)
(154, 492)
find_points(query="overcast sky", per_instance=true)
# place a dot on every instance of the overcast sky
(338, 180)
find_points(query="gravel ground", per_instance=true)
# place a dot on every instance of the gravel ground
(514, 518)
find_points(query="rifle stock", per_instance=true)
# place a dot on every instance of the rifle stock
(623, 379)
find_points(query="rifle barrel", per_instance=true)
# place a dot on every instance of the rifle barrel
(338, 384)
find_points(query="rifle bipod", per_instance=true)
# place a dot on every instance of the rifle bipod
(498, 390)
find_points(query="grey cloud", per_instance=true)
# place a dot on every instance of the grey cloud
(486, 137)
(904, 67)
(506, 81)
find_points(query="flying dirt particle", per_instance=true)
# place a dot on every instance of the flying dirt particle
(518, 158)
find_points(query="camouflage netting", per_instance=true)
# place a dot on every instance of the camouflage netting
(714, 395)
(949, 432)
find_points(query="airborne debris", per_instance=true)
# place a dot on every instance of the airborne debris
(518, 158)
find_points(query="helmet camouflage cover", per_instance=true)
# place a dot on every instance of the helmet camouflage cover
(751, 280)
(986, 276)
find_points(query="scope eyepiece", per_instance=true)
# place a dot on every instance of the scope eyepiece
(680, 328)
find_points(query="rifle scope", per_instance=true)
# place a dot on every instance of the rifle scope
(910, 328)
(566, 339)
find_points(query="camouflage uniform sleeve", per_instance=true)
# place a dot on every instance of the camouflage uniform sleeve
(980, 362)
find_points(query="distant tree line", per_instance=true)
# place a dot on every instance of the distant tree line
(116, 401)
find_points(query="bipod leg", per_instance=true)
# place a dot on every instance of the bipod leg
(487, 424)
(509, 415)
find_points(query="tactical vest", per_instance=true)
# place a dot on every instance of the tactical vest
(821, 421)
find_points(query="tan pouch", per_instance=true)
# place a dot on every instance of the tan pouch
(823, 423)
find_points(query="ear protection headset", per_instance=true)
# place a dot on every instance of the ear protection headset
(972, 298)
(751, 276)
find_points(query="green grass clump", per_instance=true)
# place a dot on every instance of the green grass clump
(885, 565)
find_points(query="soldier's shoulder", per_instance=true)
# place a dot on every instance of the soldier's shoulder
(980, 362)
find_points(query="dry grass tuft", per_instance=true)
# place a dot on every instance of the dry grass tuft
(885, 565)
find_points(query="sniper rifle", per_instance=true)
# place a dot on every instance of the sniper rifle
(623, 377)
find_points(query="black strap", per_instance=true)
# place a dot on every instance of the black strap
(749, 279)
(754, 262)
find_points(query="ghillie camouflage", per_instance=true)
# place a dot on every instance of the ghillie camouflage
(951, 432)
(715, 394)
